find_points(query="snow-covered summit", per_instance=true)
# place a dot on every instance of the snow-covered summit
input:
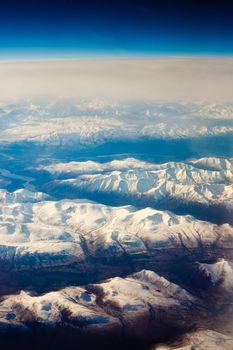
(205, 181)
(35, 234)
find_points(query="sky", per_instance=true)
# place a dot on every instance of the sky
(59, 29)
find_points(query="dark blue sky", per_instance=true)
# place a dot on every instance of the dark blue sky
(72, 28)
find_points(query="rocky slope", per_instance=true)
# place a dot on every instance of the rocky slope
(135, 310)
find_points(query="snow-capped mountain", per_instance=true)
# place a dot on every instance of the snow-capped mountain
(93, 305)
(214, 163)
(206, 182)
(116, 223)
(37, 233)
(219, 275)
(89, 123)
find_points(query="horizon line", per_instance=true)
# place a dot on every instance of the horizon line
(120, 57)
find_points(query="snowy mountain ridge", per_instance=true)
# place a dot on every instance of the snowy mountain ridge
(208, 181)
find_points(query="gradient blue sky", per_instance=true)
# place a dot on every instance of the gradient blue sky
(80, 29)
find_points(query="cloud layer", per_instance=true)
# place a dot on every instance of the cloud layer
(190, 79)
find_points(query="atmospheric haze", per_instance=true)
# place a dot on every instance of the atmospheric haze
(151, 79)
